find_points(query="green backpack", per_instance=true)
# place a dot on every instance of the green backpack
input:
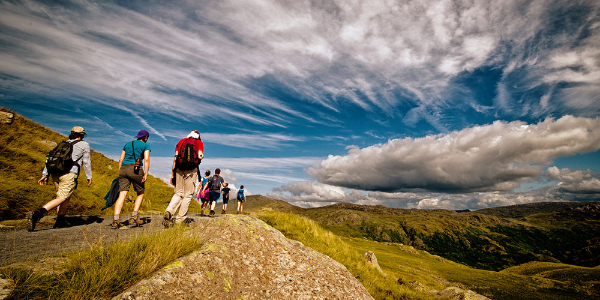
(59, 160)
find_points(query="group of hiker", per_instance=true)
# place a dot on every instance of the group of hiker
(64, 163)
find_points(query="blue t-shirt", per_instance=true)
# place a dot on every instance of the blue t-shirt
(139, 147)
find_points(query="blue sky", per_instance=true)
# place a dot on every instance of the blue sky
(411, 104)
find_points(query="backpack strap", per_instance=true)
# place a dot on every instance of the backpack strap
(133, 150)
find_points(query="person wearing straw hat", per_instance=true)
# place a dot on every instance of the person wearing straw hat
(133, 169)
(65, 181)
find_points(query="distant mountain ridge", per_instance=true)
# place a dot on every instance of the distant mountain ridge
(492, 239)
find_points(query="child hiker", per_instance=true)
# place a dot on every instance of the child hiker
(241, 198)
(225, 192)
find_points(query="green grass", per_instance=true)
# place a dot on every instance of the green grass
(313, 235)
(23, 149)
(103, 272)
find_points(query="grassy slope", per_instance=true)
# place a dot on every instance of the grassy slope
(478, 240)
(22, 155)
(407, 264)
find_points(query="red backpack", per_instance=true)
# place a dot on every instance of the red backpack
(187, 156)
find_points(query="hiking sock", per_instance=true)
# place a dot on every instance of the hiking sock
(135, 213)
(116, 217)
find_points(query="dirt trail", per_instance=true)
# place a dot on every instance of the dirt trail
(17, 244)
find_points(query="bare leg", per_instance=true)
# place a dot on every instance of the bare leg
(119, 203)
(238, 209)
(62, 208)
(54, 203)
(138, 201)
(242, 208)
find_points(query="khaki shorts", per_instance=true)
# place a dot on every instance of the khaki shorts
(127, 177)
(65, 184)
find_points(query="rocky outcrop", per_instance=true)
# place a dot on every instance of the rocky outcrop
(372, 260)
(244, 258)
(6, 117)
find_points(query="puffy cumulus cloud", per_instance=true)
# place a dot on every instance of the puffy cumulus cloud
(577, 182)
(308, 191)
(567, 175)
(313, 194)
(496, 157)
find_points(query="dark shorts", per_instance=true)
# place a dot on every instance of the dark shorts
(127, 177)
(225, 199)
(214, 196)
(241, 200)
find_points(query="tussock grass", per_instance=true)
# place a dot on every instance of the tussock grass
(310, 233)
(103, 272)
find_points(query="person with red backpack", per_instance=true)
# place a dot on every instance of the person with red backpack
(189, 152)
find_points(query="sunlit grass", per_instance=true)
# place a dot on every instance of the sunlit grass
(380, 286)
(103, 272)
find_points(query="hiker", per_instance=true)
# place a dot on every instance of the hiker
(188, 155)
(75, 155)
(134, 157)
(214, 193)
(203, 192)
(225, 192)
(241, 198)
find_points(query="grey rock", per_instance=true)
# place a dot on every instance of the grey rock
(372, 259)
(6, 117)
(5, 288)
(244, 258)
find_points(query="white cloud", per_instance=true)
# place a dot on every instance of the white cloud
(314, 194)
(584, 182)
(308, 191)
(496, 157)
(360, 52)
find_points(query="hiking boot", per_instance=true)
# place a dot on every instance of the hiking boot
(61, 222)
(167, 220)
(223, 212)
(188, 222)
(116, 225)
(135, 221)
(32, 218)
(202, 213)
(212, 213)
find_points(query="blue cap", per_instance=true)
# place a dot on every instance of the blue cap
(142, 133)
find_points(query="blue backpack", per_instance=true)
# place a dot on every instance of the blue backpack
(240, 195)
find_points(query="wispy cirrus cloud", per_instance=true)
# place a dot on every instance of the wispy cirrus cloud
(212, 58)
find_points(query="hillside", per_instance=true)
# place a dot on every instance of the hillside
(23, 148)
(483, 241)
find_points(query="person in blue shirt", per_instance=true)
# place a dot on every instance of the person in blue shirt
(133, 169)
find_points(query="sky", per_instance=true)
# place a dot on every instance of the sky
(409, 104)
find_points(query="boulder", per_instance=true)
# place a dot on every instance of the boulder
(244, 258)
(5, 288)
(372, 259)
(6, 117)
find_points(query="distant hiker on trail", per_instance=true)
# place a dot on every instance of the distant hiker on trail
(188, 155)
(130, 171)
(241, 198)
(203, 192)
(64, 163)
(225, 192)
(214, 185)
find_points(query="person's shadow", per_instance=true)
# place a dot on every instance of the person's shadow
(83, 220)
